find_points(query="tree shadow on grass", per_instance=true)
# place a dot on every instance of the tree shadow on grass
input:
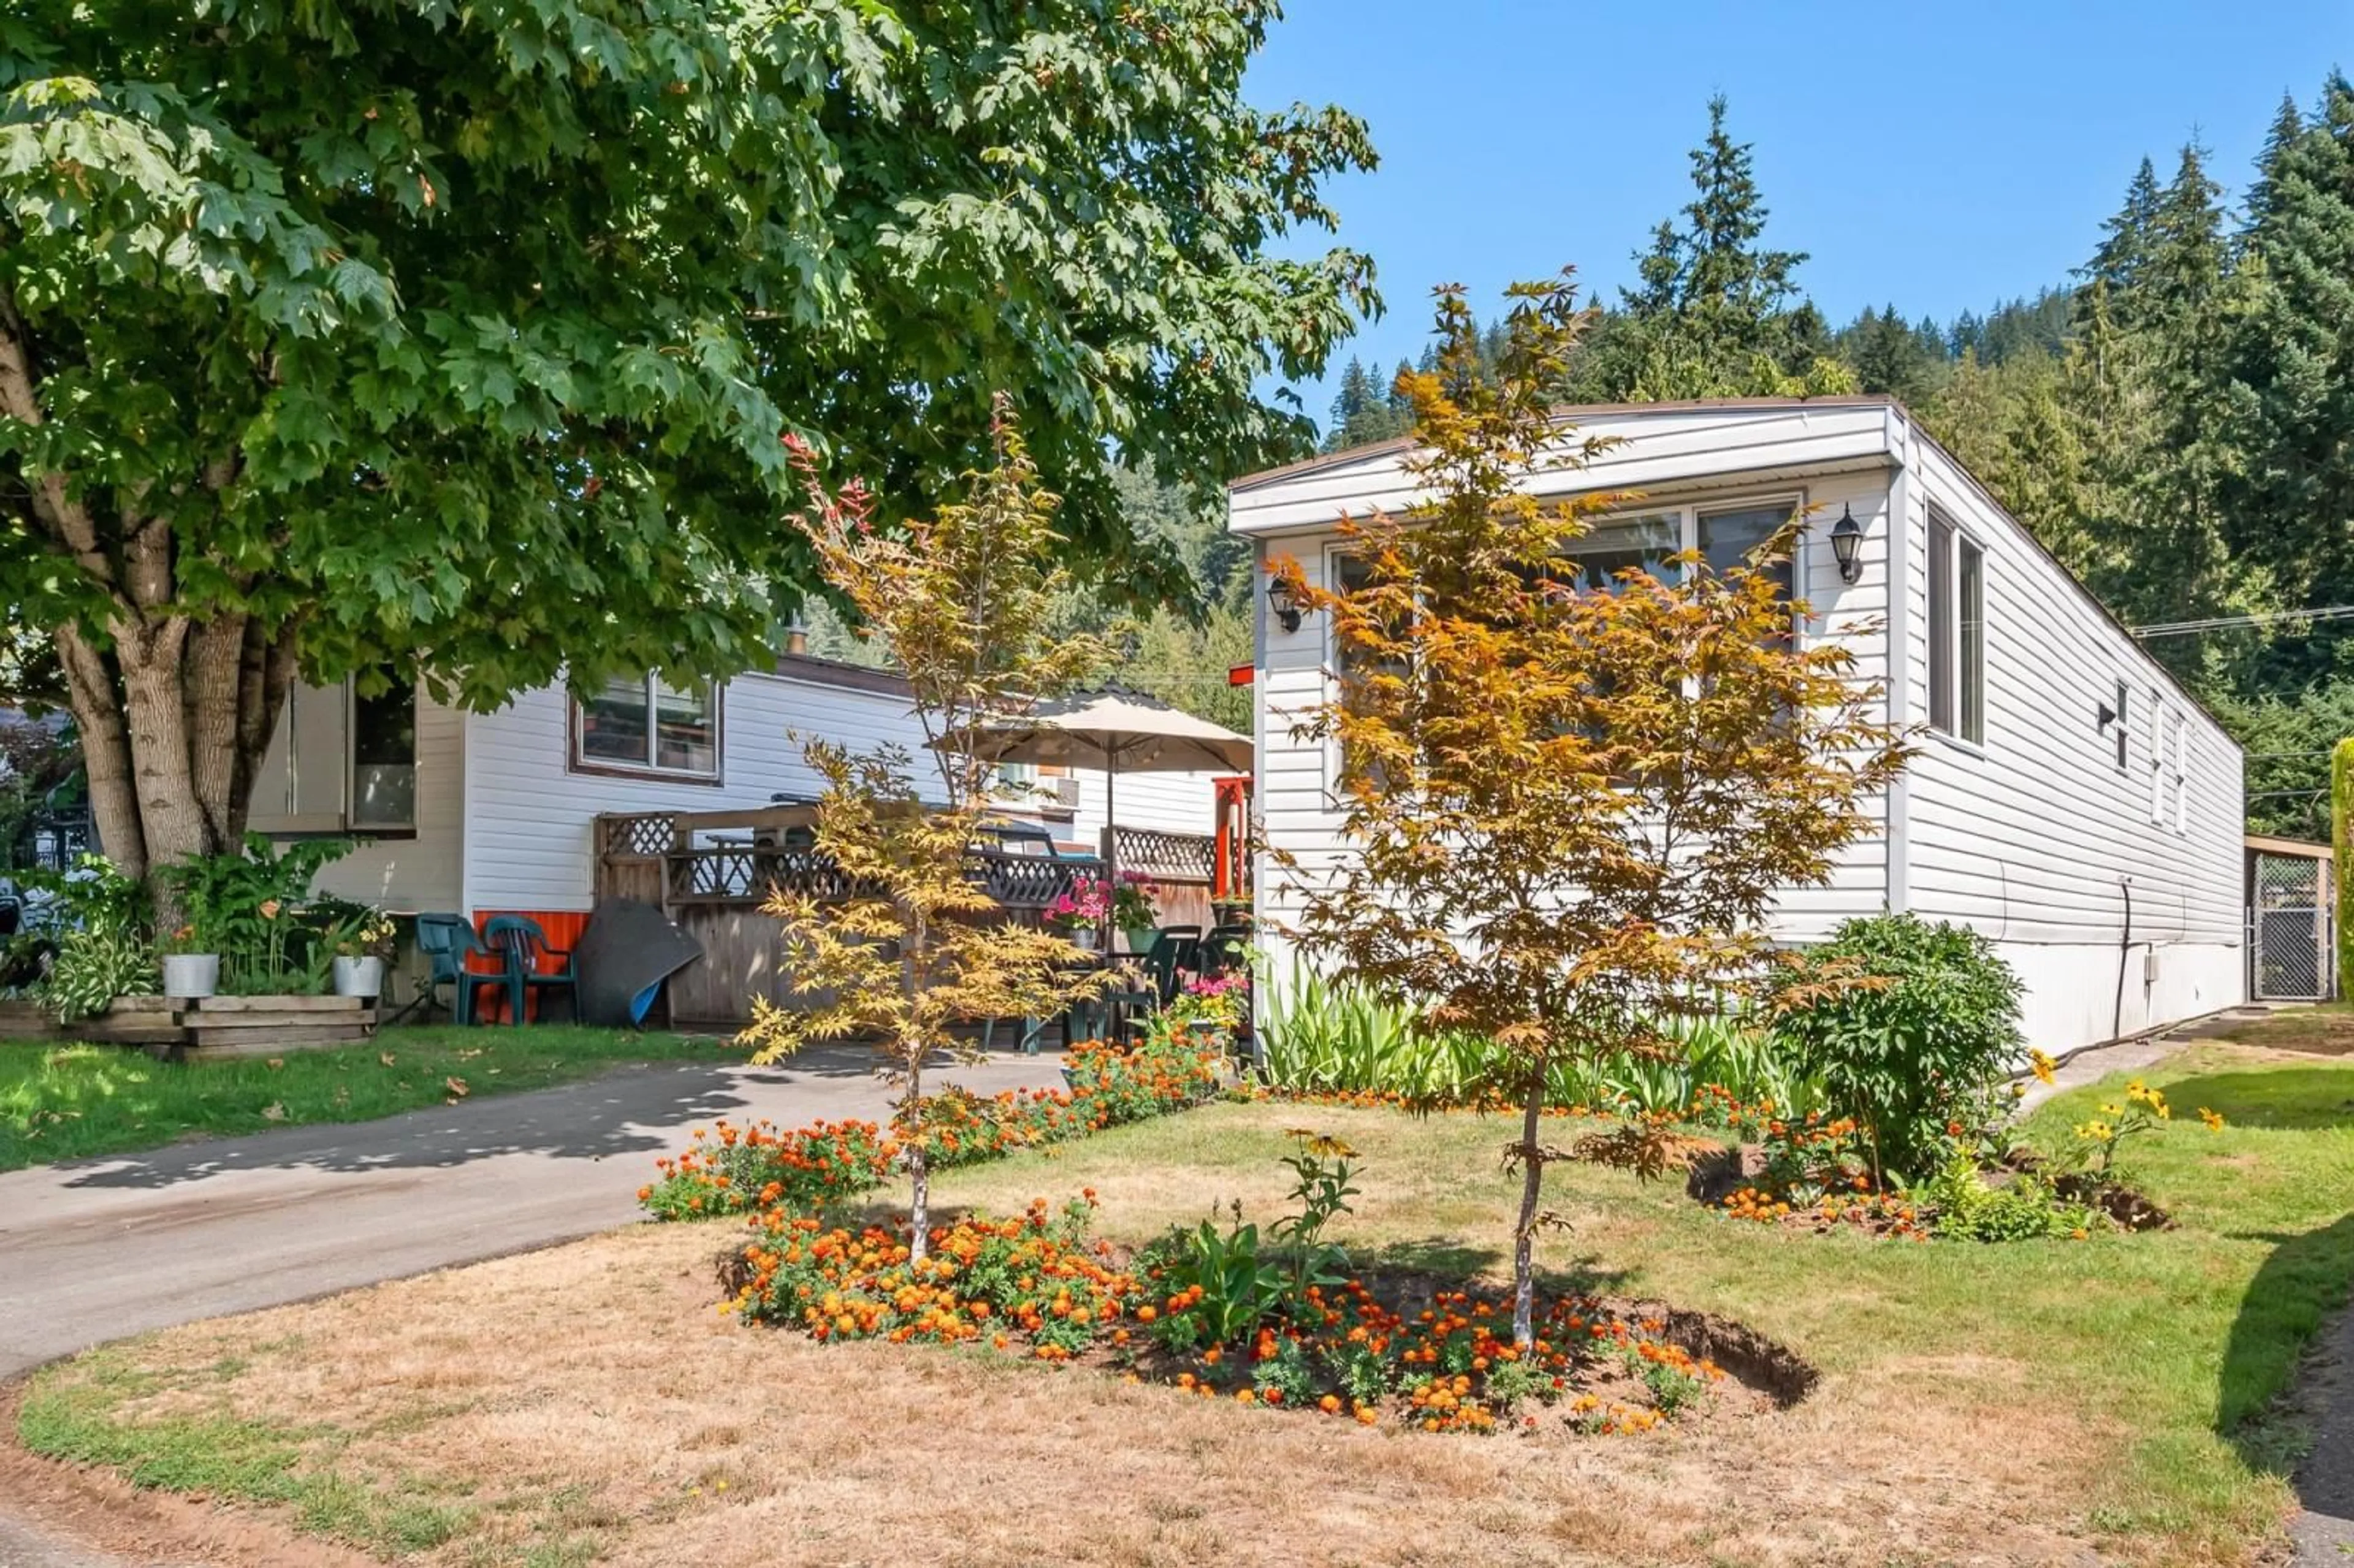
(1453, 1257)
(2296, 1099)
(2300, 1284)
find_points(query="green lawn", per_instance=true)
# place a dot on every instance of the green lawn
(2163, 1352)
(68, 1102)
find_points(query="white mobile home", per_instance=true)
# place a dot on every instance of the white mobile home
(2070, 801)
(494, 813)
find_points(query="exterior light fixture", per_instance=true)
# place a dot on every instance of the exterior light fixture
(1847, 545)
(1285, 608)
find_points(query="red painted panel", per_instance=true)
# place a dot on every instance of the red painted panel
(563, 927)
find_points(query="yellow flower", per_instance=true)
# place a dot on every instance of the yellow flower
(2113, 1110)
(2042, 1065)
(2094, 1131)
(2214, 1120)
(1322, 1144)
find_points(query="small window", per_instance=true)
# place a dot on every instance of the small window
(2124, 729)
(2156, 765)
(1972, 562)
(1941, 623)
(644, 721)
(384, 759)
(1956, 631)
(1350, 574)
(2178, 774)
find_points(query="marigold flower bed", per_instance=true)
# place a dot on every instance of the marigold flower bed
(1376, 1349)
(728, 1169)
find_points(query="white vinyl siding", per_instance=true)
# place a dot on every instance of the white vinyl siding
(2040, 838)
(530, 817)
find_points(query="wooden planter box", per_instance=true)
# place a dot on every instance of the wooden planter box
(217, 1027)
(128, 1021)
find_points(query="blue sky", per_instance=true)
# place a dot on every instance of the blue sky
(1939, 156)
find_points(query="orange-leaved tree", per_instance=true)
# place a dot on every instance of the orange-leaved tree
(895, 941)
(1569, 795)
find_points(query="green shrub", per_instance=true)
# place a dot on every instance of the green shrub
(100, 920)
(1967, 1209)
(1909, 1027)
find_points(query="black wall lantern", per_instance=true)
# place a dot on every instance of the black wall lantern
(1285, 608)
(1847, 545)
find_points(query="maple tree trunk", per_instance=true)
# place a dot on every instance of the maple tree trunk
(174, 718)
(919, 1171)
(1524, 1236)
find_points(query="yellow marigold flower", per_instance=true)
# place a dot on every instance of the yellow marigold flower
(2214, 1120)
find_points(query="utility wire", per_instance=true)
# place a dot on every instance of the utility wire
(2230, 622)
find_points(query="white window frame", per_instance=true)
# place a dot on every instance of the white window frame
(1686, 515)
(2158, 720)
(1960, 705)
(2179, 775)
(279, 818)
(578, 761)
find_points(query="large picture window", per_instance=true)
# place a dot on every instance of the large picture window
(645, 723)
(1723, 536)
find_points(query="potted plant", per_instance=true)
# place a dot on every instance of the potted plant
(191, 964)
(361, 942)
(1132, 909)
(1080, 910)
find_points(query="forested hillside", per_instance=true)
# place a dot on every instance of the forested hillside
(2175, 421)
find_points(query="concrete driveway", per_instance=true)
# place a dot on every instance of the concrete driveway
(97, 1249)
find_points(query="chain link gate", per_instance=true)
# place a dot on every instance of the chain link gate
(2289, 929)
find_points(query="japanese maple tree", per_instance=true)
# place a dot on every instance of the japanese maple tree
(906, 948)
(1568, 804)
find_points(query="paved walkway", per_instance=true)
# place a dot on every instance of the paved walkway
(97, 1249)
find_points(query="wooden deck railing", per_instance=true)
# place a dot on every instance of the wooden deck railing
(715, 890)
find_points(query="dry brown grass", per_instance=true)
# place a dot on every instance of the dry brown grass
(587, 1403)
(2325, 1030)
(587, 1398)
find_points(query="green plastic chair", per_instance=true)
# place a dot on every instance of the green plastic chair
(1174, 951)
(447, 941)
(523, 942)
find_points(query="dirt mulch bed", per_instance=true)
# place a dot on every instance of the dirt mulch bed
(1718, 1175)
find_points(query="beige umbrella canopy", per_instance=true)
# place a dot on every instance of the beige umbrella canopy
(1119, 732)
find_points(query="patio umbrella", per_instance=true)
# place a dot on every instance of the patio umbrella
(1118, 731)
